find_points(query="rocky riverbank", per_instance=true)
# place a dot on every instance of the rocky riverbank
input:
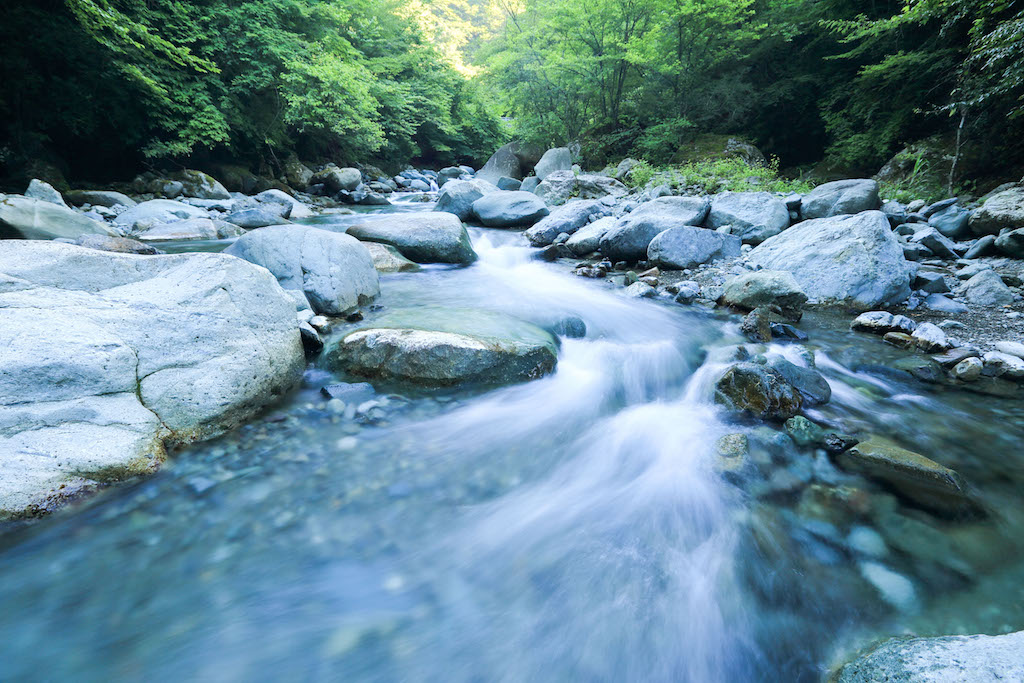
(156, 351)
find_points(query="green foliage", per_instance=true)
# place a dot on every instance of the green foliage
(346, 80)
(718, 175)
(660, 142)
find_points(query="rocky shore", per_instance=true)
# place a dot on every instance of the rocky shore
(159, 350)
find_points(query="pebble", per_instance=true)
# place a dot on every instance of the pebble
(895, 589)
(867, 541)
(930, 338)
(968, 370)
(336, 406)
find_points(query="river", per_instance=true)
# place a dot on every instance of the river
(573, 528)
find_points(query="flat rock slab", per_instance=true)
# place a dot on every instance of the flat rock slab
(111, 357)
(423, 237)
(446, 347)
(917, 477)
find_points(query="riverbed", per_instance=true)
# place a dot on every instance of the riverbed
(576, 527)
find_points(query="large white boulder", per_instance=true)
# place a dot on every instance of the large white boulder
(35, 219)
(110, 358)
(855, 260)
(334, 270)
(752, 216)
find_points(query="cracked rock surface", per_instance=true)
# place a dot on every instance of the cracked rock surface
(107, 359)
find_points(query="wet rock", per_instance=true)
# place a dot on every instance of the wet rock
(979, 659)
(894, 588)
(967, 370)
(587, 239)
(775, 289)
(752, 216)
(349, 392)
(757, 326)
(986, 289)
(333, 270)
(34, 219)
(641, 290)
(312, 344)
(444, 347)
(998, 364)
(803, 431)
(840, 197)
(1000, 211)
(930, 338)
(813, 387)
(152, 351)
(594, 272)
(509, 209)
(950, 358)
(687, 247)
(759, 391)
(566, 219)
(916, 477)
(428, 237)
(855, 260)
(687, 292)
(787, 332)
(900, 340)
(387, 259)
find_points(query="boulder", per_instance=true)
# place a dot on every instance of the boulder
(336, 179)
(504, 162)
(509, 209)
(448, 173)
(1011, 243)
(951, 221)
(387, 259)
(565, 219)
(152, 351)
(445, 347)
(333, 270)
(687, 247)
(979, 659)
(776, 289)
(1002, 210)
(34, 219)
(457, 196)
(839, 198)
(105, 198)
(509, 184)
(44, 192)
(260, 216)
(753, 216)
(155, 211)
(190, 229)
(916, 477)
(201, 185)
(631, 236)
(425, 237)
(759, 391)
(294, 208)
(557, 188)
(936, 242)
(530, 184)
(587, 239)
(296, 173)
(593, 186)
(814, 389)
(855, 260)
(986, 289)
(688, 210)
(557, 159)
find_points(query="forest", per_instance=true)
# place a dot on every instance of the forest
(103, 88)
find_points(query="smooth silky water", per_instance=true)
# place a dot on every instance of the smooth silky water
(573, 528)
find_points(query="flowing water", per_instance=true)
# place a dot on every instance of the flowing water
(573, 528)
